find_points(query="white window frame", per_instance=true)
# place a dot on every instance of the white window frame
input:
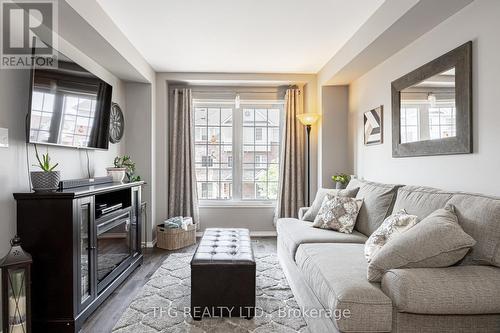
(237, 165)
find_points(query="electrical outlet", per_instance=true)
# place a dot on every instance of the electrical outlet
(4, 138)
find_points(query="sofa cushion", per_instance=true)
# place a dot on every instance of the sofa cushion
(479, 216)
(436, 241)
(420, 201)
(338, 213)
(464, 290)
(336, 274)
(378, 200)
(293, 232)
(313, 211)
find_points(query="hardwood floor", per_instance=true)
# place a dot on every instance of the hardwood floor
(106, 316)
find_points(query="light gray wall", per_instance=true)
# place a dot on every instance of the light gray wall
(256, 219)
(139, 142)
(476, 172)
(335, 106)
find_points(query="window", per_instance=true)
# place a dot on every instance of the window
(237, 150)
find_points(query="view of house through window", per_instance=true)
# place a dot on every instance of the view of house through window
(237, 150)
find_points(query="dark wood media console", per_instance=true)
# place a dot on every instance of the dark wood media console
(85, 242)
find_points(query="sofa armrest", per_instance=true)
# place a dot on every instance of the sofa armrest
(302, 211)
(463, 290)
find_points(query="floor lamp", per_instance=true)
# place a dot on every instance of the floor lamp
(308, 119)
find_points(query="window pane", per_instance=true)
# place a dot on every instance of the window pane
(261, 191)
(260, 174)
(226, 117)
(226, 191)
(199, 152)
(272, 190)
(260, 135)
(226, 135)
(273, 173)
(200, 116)
(213, 116)
(248, 117)
(248, 135)
(201, 173)
(248, 172)
(226, 174)
(274, 117)
(273, 136)
(214, 135)
(214, 153)
(213, 173)
(248, 154)
(273, 155)
(248, 190)
(201, 135)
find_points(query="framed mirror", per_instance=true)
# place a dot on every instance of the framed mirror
(432, 107)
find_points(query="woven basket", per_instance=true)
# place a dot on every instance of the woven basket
(173, 239)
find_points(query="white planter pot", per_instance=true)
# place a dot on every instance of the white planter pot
(118, 174)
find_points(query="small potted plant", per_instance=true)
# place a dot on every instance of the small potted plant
(46, 180)
(341, 180)
(123, 166)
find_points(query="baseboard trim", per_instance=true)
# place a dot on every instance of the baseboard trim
(252, 234)
(147, 245)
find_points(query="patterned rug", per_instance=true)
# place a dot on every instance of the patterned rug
(160, 306)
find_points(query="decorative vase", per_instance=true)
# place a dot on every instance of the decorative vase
(118, 174)
(45, 181)
(339, 186)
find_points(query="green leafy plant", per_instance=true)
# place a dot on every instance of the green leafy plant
(341, 178)
(127, 163)
(44, 161)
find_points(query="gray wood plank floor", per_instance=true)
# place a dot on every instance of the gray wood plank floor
(107, 315)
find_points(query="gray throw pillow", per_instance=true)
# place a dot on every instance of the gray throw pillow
(436, 241)
(338, 213)
(312, 212)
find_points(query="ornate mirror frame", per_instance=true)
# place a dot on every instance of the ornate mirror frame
(460, 59)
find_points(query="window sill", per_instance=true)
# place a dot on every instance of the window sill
(237, 204)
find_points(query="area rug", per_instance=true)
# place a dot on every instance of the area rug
(162, 304)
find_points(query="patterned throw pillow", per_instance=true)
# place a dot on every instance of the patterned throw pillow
(338, 213)
(392, 226)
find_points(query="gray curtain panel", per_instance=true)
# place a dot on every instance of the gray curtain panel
(182, 190)
(291, 195)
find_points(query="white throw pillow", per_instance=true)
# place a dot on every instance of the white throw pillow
(312, 212)
(338, 213)
(392, 226)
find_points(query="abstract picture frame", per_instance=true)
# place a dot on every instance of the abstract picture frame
(373, 124)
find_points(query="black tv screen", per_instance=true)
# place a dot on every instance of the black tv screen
(69, 107)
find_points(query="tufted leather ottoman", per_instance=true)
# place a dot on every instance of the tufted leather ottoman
(223, 275)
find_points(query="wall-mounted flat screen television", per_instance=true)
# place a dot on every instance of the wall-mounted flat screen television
(69, 107)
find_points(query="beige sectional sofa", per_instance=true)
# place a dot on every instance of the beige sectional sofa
(327, 270)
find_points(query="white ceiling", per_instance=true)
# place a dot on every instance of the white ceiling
(247, 36)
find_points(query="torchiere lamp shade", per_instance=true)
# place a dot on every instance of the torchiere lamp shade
(308, 118)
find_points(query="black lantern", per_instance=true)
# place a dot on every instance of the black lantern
(16, 289)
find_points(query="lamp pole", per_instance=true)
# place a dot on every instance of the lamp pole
(308, 119)
(308, 130)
